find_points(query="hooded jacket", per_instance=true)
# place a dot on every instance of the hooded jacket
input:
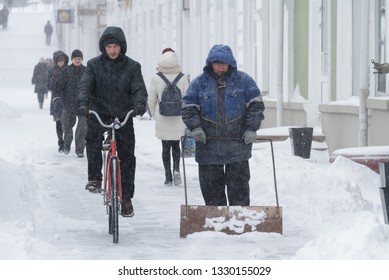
(54, 85)
(224, 107)
(54, 72)
(39, 77)
(112, 87)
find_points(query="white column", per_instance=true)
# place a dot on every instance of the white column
(363, 73)
(279, 38)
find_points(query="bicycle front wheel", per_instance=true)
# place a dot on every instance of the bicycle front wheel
(114, 200)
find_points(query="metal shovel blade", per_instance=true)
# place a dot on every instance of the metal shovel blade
(230, 219)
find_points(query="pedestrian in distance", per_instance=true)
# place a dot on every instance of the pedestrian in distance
(60, 60)
(169, 129)
(4, 16)
(69, 80)
(223, 108)
(112, 85)
(48, 29)
(39, 79)
(50, 63)
(10, 4)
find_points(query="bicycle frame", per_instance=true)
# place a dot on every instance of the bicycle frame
(108, 155)
(112, 195)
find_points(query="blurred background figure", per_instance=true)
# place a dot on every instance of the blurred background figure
(9, 4)
(48, 31)
(4, 16)
(60, 61)
(69, 80)
(49, 63)
(40, 79)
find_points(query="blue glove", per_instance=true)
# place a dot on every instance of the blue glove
(199, 135)
(249, 137)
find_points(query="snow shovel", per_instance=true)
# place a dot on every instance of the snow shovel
(230, 219)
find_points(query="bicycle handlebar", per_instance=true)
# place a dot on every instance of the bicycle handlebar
(116, 123)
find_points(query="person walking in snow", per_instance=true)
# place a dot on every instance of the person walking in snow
(60, 60)
(169, 129)
(39, 79)
(112, 85)
(48, 29)
(223, 108)
(69, 80)
(4, 16)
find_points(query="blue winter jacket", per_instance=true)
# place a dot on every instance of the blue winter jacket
(225, 114)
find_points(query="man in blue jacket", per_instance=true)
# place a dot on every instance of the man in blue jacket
(223, 108)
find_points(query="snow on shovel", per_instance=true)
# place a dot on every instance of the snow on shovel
(230, 219)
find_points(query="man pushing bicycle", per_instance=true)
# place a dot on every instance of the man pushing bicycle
(112, 85)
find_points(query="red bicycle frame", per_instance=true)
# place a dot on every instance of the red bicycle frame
(112, 153)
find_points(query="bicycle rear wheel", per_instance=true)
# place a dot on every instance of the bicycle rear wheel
(114, 209)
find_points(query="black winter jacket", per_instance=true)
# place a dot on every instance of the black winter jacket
(69, 79)
(39, 78)
(54, 85)
(112, 87)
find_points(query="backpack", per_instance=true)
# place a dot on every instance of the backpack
(170, 104)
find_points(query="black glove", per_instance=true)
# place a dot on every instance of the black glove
(139, 110)
(199, 135)
(82, 111)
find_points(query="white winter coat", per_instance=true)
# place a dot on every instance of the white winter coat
(166, 128)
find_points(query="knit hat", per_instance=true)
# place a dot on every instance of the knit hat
(77, 53)
(167, 50)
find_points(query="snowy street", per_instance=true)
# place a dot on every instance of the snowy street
(330, 211)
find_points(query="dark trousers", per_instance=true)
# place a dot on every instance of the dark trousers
(48, 39)
(233, 179)
(41, 98)
(170, 149)
(58, 129)
(125, 139)
(69, 120)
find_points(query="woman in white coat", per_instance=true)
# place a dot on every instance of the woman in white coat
(168, 129)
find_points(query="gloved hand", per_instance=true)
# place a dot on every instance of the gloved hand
(139, 110)
(82, 111)
(199, 135)
(249, 137)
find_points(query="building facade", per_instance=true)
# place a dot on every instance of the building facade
(310, 58)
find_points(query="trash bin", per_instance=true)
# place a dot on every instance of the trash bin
(301, 140)
(384, 193)
(384, 174)
(384, 190)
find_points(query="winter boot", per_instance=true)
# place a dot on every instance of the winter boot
(93, 186)
(60, 146)
(176, 178)
(66, 150)
(127, 208)
(169, 178)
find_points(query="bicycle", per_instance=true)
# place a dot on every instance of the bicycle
(112, 190)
